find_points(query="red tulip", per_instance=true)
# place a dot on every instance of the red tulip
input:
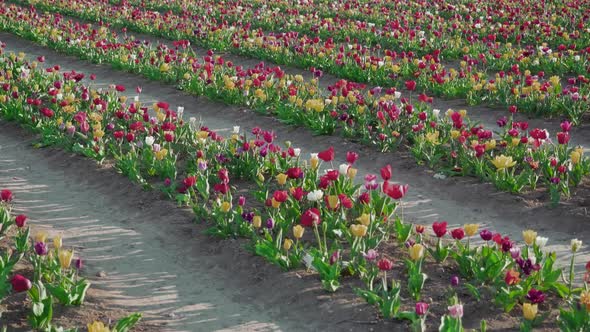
(6, 195)
(280, 196)
(386, 172)
(420, 229)
(365, 198)
(223, 175)
(563, 137)
(421, 308)
(311, 217)
(440, 228)
(190, 181)
(20, 220)
(411, 85)
(385, 264)
(395, 191)
(458, 233)
(298, 193)
(120, 88)
(512, 277)
(327, 155)
(294, 173)
(351, 157)
(20, 283)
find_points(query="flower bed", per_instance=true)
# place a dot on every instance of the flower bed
(531, 89)
(55, 277)
(309, 211)
(516, 159)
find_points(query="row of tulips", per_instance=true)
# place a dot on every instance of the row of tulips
(356, 62)
(55, 273)
(420, 28)
(517, 158)
(312, 214)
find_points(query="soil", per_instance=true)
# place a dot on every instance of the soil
(152, 257)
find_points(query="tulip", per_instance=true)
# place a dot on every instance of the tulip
(57, 241)
(585, 299)
(575, 245)
(455, 281)
(502, 162)
(471, 229)
(5, 195)
(270, 223)
(351, 173)
(225, 207)
(421, 308)
(333, 202)
(311, 217)
(386, 172)
(78, 263)
(41, 248)
(456, 311)
(327, 155)
(358, 230)
(20, 220)
(440, 228)
(535, 296)
(257, 221)
(242, 201)
(395, 191)
(281, 179)
(410, 85)
(371, 255)
(280, 196)
(512, 277)
(420, 229)
(485, 235)
(20, 283)
(529, 237)
(97, 327)
(364, 219)
(384, 264)
(458, 233)
(351, 157)
(65, 258)
(287, 244)
(314, 161)
(298, 231)
(416, 251)
(529, 311)
(314, 196)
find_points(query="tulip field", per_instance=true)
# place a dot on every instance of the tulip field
(307, 165)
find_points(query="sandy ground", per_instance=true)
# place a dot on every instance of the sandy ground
(157, 262)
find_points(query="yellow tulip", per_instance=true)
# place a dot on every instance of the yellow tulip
(416, 251)
(455, 134)
(282, 179)
(585, 299)
(57, 242)
(358, 230)
(576, 155)
(275, 203)
(351, 173)
(225, 206)
(287, 244)
(65, 258)
(257, 221)
(471, 229)
(40, 236)
(529, 311)
(502, 162)
(333, 201)
(298, 231)
(364, 219)
(314, 162)
(98, 327)
(490, 145)
(529, 236)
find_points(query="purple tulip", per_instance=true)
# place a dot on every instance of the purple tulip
(41, 248)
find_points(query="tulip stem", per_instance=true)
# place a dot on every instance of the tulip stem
(317, 236)
(571, 278)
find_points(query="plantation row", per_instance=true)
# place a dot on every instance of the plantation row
(528, 84)
(301, 214)
(55, 273)
(419, 27)
(515, 159)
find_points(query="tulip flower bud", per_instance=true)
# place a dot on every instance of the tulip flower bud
(298, 231)
(257, 221)
(287, 243)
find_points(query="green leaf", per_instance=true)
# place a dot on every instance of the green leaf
(124, 324)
